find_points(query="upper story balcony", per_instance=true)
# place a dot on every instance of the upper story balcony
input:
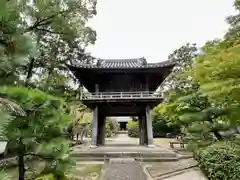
(141, 95)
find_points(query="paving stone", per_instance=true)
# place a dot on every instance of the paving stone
(189, 175)
(124, 171)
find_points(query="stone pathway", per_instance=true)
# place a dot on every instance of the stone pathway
(122, 168)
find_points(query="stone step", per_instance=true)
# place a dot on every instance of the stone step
(141, 159)
(138, 156)
(121, 160)
(157, 159)
(122, 154)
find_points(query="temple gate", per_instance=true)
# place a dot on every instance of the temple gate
(121, 87)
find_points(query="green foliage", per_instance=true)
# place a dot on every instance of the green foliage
(4, 175)
(60, 162)
(35, 133)
(183, 57)
(11, 107)
(161, 126)
(220, 161)
(47, 176)
(134, 118)
(202, 96)
(217, 70)
(202, 121)
(220, 81)
(111, 127)
(62, 34)
(15, 46)
(133, 128)
(42, 109)
(37, 39)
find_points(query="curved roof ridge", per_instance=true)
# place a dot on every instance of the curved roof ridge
(113, 59)
(120, 60)
(126, 63)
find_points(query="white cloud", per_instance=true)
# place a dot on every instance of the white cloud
(154, 28)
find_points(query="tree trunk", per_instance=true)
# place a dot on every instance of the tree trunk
(32, 61)
(21, 167)
(216, 132)
(30, 70)
(217, 135)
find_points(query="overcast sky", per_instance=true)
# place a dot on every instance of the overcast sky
(155, 28)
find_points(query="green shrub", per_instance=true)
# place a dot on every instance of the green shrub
(47, 176)
(4, 175)
(161, 128)
(133, 129)
(220, 161)
(111, 128)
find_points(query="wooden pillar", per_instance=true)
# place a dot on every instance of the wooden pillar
(141, 130)
(96, 88)
(149, 127)
(146, 83)
(101, 131)
(144, 126)
(94, 128)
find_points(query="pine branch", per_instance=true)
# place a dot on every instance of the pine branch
(49, 31)
(12, 107)
(45, 21)
(42, 156)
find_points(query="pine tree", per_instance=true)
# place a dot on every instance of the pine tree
(34, 134)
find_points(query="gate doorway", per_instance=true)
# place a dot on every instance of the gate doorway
(122, 126)
(122, 121)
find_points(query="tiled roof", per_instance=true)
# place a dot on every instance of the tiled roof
(123, 63)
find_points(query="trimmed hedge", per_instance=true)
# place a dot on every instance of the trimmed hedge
(220, 161)
(133, 129)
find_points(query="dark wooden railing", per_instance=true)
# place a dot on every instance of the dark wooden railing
(120, 95)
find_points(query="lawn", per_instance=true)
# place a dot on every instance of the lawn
(163, 141)
(89, 171)
(84, 171)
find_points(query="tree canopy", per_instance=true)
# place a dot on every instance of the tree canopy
(202, 93)
(38, 94)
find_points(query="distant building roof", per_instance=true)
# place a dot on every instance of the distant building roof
(121, 119)
(123, 63)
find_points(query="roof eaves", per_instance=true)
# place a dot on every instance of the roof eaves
(134, 64)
